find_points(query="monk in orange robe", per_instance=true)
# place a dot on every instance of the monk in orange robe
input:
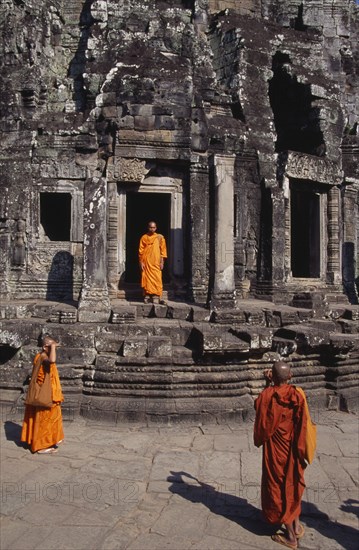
(280, 426)
(151, 254)
(42, 428)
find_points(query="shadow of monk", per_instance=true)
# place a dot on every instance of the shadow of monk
(13, 433)
(228, 505)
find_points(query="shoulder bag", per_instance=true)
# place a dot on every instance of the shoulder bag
(311, 434)
(39, 395)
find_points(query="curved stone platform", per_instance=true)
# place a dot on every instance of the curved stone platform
(181, 361)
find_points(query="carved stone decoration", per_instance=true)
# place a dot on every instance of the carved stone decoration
(130, 170)
(308, 167)
(18, 258)
(333, 269)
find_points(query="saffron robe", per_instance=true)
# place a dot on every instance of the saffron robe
(280, 426)
(42, 428)
(152, 248)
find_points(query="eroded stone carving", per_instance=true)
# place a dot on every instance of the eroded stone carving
(302, 166)
(130, 170)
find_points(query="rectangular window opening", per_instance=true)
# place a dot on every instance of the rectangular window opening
(55, 215)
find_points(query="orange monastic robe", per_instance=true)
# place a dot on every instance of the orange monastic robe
(280, 426)
(42, 428)
(152, 248)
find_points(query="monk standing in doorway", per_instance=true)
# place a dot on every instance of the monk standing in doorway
(151, 254)
(280, 426)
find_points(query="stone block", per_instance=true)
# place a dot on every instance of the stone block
(42, 311)
(134, 347)
(145, 310)
(88, 314)
(15, 334)
(182, 356)
(342, 343)
(226, 316)
(14, 311)
(160, 311)
(74, 336)
(123, 315)
(183, 312)
(110, 341)
(144, 123)
(64, 314)
(141, 110)
(200, 314)
(77, 356)
(126, 122)
(165, 122)
(159, 346)
(273, 318)
(105, 361)
(223, 342)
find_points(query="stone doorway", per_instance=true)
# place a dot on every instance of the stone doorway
(140, 209)
(305, 233)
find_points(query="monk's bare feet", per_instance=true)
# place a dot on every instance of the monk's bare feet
(281, 539)
(50, 450)
(298, 530)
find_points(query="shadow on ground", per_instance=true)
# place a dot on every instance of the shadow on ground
(13, 433)
(345, 535)
(250, 518)
(227, 505)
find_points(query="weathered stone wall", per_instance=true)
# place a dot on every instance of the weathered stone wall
(203, 101)
(91, 86)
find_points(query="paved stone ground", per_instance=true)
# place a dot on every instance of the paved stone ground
(178, 487)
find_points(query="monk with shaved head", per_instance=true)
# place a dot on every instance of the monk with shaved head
(151, 254)
(280, 427)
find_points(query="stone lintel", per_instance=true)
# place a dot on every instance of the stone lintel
(309, 167)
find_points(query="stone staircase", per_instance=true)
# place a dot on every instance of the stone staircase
(180, 359)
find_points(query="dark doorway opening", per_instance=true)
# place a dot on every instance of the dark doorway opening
(305, 233)
(140, 209)
(55, 215)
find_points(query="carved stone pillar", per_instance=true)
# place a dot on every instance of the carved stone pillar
(4, 259)
(333, 265)
(279, 240)
(287, 228)
(94, 303)
(199, 207)
(4, 246)
(223, 288)
(112, 240)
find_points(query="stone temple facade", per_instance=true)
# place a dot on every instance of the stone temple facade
(234, 125)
